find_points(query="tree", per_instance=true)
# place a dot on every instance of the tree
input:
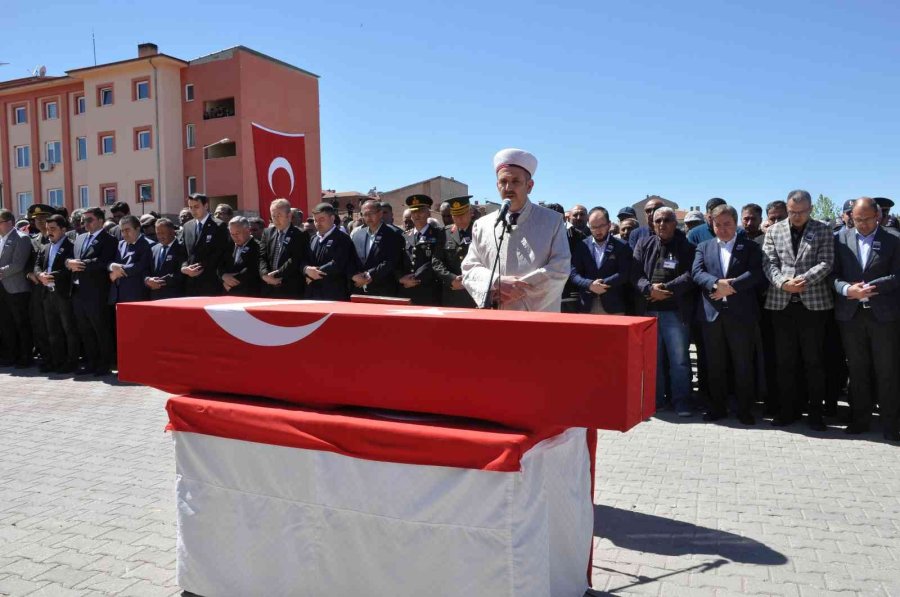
(824, 209)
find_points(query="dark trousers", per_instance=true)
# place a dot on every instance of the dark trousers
(16, 325)
(65, 347)
(767, 332)
(39, 333)
(92, 319)
(729, 340)
(873, 356)
(799, 338)
(835, 363)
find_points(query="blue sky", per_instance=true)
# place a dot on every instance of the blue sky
(688, 100)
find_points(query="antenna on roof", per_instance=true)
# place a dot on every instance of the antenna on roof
(94, 43)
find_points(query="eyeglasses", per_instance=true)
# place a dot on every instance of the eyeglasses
(798, 213)
(599, 226)
(666, 221)
(88, 219)
(864, 220)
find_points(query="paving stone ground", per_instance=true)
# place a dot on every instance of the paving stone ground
(683, 507)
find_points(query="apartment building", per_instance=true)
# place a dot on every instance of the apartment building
(146, 130)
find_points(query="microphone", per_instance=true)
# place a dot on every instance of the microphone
(503, 212)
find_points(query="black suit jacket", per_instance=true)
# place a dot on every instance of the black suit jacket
(291, 261)
(61, 275)
(615, 271)
(333, 257)
(138, 261)
(419, 258)
(745, 271)
(382, 263)
(93, 282)
(169, 269)
(207, 249)
(245, 268)
(682, 287)
(882, 270)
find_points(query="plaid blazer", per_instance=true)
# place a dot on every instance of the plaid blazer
(813, 262)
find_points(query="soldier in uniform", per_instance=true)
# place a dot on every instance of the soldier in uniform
(38, 214)
(424, 244)
(449, 270)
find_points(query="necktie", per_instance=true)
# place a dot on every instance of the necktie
(279, 238)
(366, 248)
(162, 258)
(87, 245)
(513, 218)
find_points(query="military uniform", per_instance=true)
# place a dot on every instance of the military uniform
(455, 250)
(422, 248)
(39, 332)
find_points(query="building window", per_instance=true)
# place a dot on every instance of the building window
(55, 197)
(106, 143)
(23, 156)
(81, 148)
(190, 136)
(141, 90)
(80, 104)
(143, 190)
(191, 185)
(142, 139)
(220, 108)
(54, 152)
(84, 197)
(105, 95)
(51, 111)
(20, 115)
(109, 193)
(189, 92)
(24, 200)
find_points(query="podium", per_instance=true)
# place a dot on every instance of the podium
(300, 475)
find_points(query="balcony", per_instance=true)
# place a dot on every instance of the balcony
(220, 108)
(221, 150)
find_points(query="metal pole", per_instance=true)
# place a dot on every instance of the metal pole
(204, 171)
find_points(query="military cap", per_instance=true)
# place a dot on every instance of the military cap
(419, 202)
(22, 224)
(39, 209)
(883, 202)
(848, 206)
(323, 208)
(459, 206)
(626, 212)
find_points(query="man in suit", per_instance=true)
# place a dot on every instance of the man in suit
(117, 211)
(378, 251)
(285, 250)
(51, 272)
(424, 243)
(330, 255)
(239, 269)
(728, 271)
(16, 256)
(601, 268)
(132, 265)
(799, 255)
(165, 279)
(662, 274)
(449, 267)
(94, 251)
(387, 216)
(206, 240)
(644, 231)
(867, 308)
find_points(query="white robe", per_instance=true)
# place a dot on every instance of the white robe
(536, 251)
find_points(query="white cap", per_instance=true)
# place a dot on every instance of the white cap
(515, 157)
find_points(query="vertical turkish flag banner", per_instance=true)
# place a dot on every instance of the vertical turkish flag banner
(280, 168)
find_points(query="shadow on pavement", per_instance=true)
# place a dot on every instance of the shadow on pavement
(663, 536)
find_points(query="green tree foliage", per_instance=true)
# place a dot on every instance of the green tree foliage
(823, 208)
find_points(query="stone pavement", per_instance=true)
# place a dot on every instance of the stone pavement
(683, 507)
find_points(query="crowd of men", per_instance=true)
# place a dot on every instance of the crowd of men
(782, 308)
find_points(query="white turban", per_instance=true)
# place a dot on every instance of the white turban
(515, 157)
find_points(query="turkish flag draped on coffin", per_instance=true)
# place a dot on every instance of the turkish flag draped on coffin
(280, 168)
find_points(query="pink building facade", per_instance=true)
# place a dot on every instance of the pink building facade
(135, 131)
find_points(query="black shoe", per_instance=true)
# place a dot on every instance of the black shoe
(746, 419)
(856, 428)
(65, 369)
(101, 372)
(24, 364)
(84, 371)
(7, 362)
(830, 410)
(713, 416)
(782, 421)
(816, 424)
(771, 411)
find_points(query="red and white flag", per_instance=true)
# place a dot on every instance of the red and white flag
(280, 168)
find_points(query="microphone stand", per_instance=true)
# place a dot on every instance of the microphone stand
(486, 304)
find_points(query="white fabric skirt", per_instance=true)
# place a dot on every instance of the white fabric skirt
(259, 519)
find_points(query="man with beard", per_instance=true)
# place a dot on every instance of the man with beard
(50, 269)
